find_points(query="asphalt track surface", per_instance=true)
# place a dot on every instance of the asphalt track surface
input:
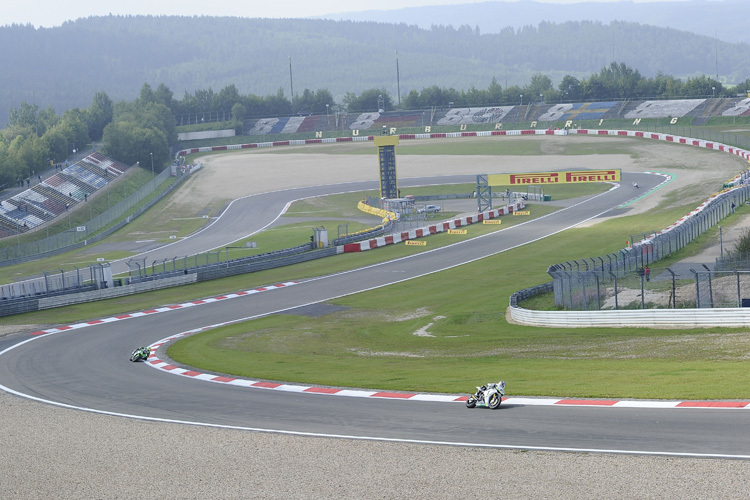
(88, 368)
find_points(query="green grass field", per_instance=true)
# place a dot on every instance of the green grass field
(444, 332)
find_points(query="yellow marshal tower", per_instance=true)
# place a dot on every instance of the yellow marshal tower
(386, 145)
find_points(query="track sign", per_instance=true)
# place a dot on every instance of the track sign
(522, 212)
(457, 231)
(416, 243)
(81, 229)
(492, 221)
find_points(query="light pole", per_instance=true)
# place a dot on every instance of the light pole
(291, 83)
(721, 243)
(521, 99)
(713, 91)
(152, 163)
(398, 82)
(541, 98)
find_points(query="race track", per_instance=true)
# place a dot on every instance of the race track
(103, 379)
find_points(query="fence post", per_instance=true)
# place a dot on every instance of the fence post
(674, 289)
(739, 293)
(710, 285)
(697, 289)
(614, 276)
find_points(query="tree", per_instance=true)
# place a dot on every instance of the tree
(165, 96)
(147, 94)
(703, 86)
(45, 120)
(540, 84)
(239, 112)
(73, 124)
(130, 143)
(369, 100)
(494, 92)
(99, 114)
(23, 116)
(412, 100)
(226, 98)
(57, 144)
(570, 88)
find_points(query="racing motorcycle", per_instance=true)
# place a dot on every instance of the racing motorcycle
(140, 354)
(490, 396)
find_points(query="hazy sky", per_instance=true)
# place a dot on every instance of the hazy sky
(49, 13)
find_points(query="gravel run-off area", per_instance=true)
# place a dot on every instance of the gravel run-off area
(52, 452)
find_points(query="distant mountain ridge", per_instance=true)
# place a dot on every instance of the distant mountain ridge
(64, 66)
(723, 19)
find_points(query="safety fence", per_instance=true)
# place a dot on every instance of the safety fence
(209, 262)
(598, 282)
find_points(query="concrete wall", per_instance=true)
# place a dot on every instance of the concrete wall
(206, 134)
(634, 318)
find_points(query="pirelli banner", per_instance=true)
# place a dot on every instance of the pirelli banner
(544, 178)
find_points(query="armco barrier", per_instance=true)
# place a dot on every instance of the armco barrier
(217, 271)
(635, 318)
(119, 291)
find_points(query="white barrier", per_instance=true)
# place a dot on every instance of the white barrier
(635, 318)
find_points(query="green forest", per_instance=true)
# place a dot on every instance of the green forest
(64, 66)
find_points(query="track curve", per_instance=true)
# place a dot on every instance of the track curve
(88, 369)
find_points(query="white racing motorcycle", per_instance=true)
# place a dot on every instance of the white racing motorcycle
(490, 396)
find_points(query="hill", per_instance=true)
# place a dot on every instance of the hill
(713, 18)
(64, 66)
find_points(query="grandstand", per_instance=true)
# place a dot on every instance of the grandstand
(577, 111)
(739, 107)
(55, 195)
(664, 109)
(697, 109)
(465, 116)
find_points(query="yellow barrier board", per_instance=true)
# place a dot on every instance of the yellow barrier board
(416, 243)
(491, 221)
(541, 178)
(457, 231)
(522, 212)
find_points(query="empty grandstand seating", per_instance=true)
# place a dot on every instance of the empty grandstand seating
(738, 108)
(364, 121)
(461, 116)
(662, 109)
(263, 126)
(56, 194)
(577, 111)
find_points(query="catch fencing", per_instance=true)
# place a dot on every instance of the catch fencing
(629, 279)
